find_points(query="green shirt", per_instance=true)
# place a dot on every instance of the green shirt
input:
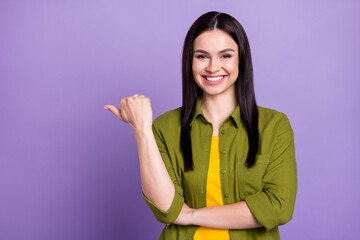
(269, 187)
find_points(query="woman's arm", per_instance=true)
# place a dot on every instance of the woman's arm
(156, 183)
(232, 216)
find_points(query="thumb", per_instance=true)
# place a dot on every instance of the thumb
(114, 110)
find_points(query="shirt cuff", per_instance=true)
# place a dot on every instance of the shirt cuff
(172, 213)
(268, 215)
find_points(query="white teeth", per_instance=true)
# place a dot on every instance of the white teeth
(214, 79)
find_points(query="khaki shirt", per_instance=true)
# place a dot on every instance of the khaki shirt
(269, 187)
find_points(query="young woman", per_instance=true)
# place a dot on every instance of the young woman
(219, 167)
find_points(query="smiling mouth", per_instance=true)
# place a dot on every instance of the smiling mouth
(214, 78)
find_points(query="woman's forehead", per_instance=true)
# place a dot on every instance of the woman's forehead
(214, 40)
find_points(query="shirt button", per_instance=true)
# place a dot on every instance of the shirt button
(222, 151)
(222, 131)
(223, 171)
(226, 195)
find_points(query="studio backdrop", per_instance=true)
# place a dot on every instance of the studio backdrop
(69, 169)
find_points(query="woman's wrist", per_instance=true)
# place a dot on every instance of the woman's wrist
(141, 132)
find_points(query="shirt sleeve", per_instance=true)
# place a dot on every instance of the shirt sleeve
(173, 212)
(274, 204)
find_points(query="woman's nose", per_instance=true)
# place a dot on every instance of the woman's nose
(213, 66)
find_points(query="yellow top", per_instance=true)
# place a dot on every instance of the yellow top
(213, 194)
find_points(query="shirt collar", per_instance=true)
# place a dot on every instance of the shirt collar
(235, 115)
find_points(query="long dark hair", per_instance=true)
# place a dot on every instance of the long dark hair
(244, 83)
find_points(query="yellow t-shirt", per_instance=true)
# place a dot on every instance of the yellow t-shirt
(213, 194)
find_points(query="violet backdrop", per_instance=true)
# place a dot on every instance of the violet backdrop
(69, 168)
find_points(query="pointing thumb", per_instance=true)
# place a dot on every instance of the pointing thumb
(114, 110)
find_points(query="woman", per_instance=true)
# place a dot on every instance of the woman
(219, 167)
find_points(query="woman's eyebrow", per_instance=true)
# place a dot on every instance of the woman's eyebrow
(222, 51)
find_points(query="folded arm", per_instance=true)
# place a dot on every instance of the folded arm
(271, 206)
(232, 216)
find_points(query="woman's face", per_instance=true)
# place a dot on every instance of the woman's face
(215, 63)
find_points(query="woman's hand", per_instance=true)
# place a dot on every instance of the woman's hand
(185, 215)
(135, 111)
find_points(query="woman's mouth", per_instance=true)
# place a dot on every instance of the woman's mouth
(214, 80)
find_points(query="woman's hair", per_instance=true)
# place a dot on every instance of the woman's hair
(243, 84)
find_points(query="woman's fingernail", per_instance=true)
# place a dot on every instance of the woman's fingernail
(106, 108)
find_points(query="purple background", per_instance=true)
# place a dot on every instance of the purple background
(69, 168)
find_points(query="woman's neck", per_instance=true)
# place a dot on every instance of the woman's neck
(217, 108)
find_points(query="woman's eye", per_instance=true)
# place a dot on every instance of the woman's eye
(226, 56)
(200, 56)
